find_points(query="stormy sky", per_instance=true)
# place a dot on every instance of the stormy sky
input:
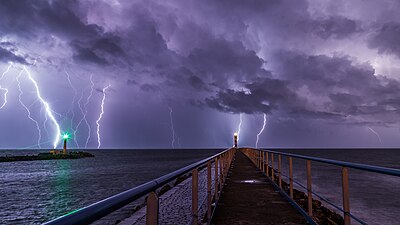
(326, 73)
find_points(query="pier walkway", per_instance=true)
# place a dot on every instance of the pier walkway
(248, 197)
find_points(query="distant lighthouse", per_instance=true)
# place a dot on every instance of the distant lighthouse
(65, 137)
(235, 140)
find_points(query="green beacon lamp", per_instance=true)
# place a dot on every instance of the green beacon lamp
(65, 136)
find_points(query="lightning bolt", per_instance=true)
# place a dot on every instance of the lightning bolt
(376, 133)
(262, 129)
(84, 111)
(240, 125)
(27, 109)
(46, 105)
(45, 122)
(101, 115)
(172, 128)
(80, 121)
(4, 89)
(71, 109)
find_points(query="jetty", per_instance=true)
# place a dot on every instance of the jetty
(236, 186)
(46, 156)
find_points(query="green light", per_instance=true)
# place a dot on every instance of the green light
(65, 136)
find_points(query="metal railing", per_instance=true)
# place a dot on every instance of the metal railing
(96, 211)
(264, 160)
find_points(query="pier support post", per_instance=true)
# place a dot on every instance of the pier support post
(309, 186)
(291, 177)
(280, 170)
(195, 196)
(152, 209)
(209, 192)
(345, 192)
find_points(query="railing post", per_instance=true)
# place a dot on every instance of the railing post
(264, 164)
(221, 172)
(345, 192)
(152, 209)
(263, 161)
(309, 186)
(226, 165)
(209, 191)
(216, 178)
(195, 196)
(221, 168)
(272, 167)
(280, 170)
(267, 161)
(291, 177)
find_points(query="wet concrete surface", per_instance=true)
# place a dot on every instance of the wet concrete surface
(249, 198)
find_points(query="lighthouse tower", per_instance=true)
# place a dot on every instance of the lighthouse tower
(235, 140)
(65, 138)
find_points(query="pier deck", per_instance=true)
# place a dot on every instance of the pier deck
(248, 197)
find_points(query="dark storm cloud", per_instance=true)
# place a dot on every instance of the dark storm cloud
(225, 58)
(30, 19)
(27, 17)
(98, 49)
(387, 39)
(9, 56)
(262, 96)
(322, 73)
(196, 82)
(316, 86)
(336, 26)
(350, 88)
(83, 54)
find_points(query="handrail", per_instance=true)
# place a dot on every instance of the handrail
(326, 200)
(359, 166)
(260, 157)
(104, 207)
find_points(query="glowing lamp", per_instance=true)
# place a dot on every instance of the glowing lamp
(65, 136)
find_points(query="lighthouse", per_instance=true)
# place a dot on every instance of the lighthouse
(235, 140)
(65, 138)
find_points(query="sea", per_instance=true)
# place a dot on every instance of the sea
(33, 192)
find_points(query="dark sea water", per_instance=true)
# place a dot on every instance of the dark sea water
(37, 191)
(33, 192)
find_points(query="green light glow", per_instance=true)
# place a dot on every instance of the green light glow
(66, 136)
